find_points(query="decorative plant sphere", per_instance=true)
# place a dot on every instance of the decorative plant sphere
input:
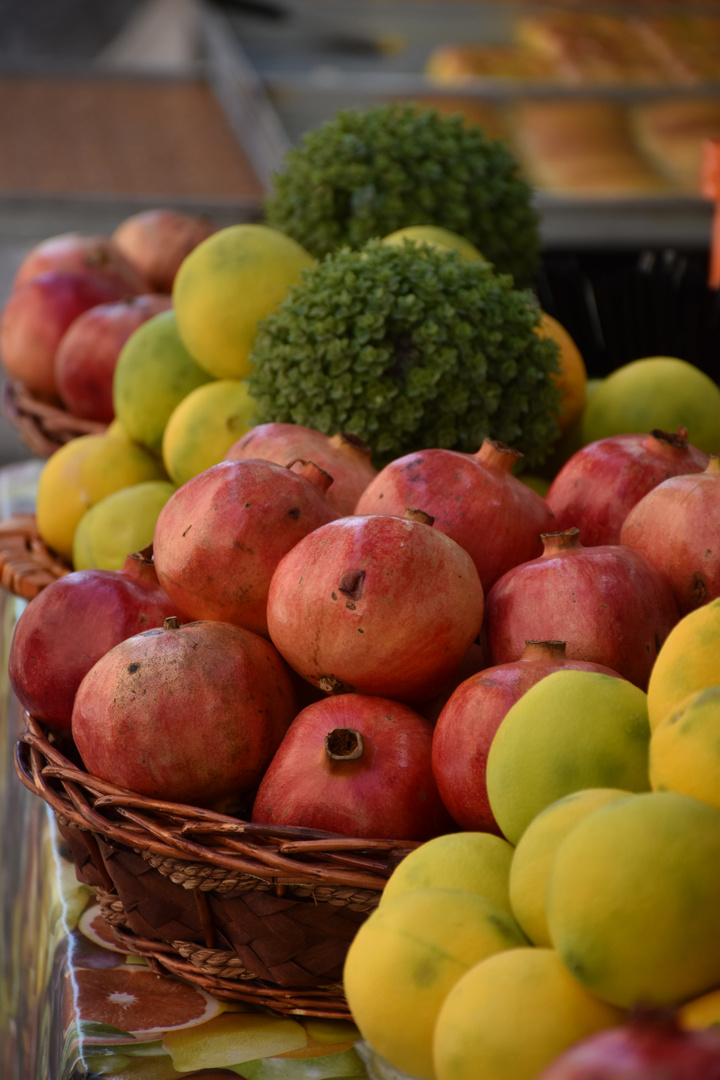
(365, 174)
(407, 347)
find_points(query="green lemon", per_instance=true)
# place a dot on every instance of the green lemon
(437, 237)
(204, 426)
(119, 525)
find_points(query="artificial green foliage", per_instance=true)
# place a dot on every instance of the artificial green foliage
(408, 347)
(365, 174)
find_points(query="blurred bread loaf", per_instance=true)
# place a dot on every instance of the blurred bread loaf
(671, 133)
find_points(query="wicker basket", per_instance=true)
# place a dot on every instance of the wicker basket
(27, 565)
(43, 426)
(254, 913)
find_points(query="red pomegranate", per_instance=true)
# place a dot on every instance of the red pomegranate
(378, 604)
(356, 765)
(156, 241)
(189, 714)
(474, 499)
(607, 603)
(596, 489)
(71, 624)
(79, 253)
(466, 727)
(220, 536)
(676, 526)
(346, 457)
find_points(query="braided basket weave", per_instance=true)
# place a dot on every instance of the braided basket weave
(43, 426)
(27, 565)
(255, 913)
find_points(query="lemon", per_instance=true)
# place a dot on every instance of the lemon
(474, 861)
(656, 392)
(405, 958)
(688, 661)
(701, 1012)
(572, 378)
(154, 372)
(226, 285)
(119, 525)
(572, 730)
(80, 474)
(685, 749)
(436, 236)
(633, 899)
(534, 855)
(511, 1014)
(204, 426)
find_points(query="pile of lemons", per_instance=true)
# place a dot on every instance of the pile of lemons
(489, 955)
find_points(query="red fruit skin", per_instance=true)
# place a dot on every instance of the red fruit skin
(220, 536)
(345, 457)
(473, 499)
(70, 625)
(676, 526)
(156, 241)
(379, 604)
(79, 253)
(87, 355)
(191, 714)
(388, 793)
(599, 485)
(466, 728)
(606, 602)
(36, 316)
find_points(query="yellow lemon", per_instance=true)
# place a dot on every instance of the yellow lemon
(572, 378)
(701, 1012)
(79, 475)
(436, 236)
(154, 372)
(511, 1014)
(688, 661)
(534, 855)
(204, 426)
(572, 730)
(226, 285)
(406, 957)
(119, 525)
(632, 899)
(656, 392)
(685, 749)
(473, 861)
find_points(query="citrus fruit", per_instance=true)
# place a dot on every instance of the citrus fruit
(154, 372)
(405, 958)
(118, 525)
(436, 236)
(572, 378)
(688, 661)
(656, 392)
(473, 861)
(685, 749)
(572, 730)
(701, 1012)
(633, 899)
(511, 1014)
(534, 855)
(226, 285)
(231, 1039)
(81, 473)
(204, 426)
(95, 927)
(136, 1000)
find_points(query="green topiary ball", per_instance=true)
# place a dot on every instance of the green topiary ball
(407, 347)
(365, 174)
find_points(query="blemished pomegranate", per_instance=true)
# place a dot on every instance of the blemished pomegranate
(80, 252)
(466, 727)
(190, 713)
(676, 526)
(474, 499)
(156, 241)
(356, 765)
(607, 603)
(597, 488)
(377, 604)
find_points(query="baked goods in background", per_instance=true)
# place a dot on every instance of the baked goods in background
(671, 133)
(463, 63)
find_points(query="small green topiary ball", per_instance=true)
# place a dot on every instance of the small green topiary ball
(365, 174)
(407, 347)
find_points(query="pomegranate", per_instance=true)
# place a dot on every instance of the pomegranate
(71, 624)
(650, 1045)
(344, 456)
(607, 603)
(156, 241)
(466, 727)
(474, 499)
(599, 485)
(356, 765)
(219, 538)
(190, 713)
(79, 253)
(378, 604)
(676, 526)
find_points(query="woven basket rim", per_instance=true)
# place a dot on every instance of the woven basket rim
(44, 426)
(27, 564)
